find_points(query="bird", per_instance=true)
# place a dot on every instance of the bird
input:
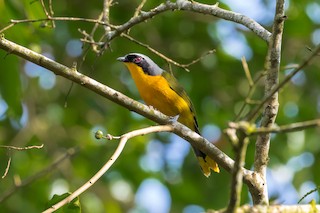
(162, 91)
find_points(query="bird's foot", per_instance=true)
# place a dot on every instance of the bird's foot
(174, 119)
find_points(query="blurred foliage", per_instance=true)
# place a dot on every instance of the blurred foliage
(36, 107)
(72, 207)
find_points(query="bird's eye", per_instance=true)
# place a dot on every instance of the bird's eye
(137, 60)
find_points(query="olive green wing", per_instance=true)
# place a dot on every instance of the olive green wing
(206, 163)
(175, 86)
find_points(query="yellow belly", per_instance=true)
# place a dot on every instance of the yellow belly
(156, 92)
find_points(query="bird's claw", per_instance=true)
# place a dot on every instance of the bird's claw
(174, 119)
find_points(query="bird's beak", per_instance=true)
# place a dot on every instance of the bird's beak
(122, 59)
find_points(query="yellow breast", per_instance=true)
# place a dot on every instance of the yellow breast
(156, 91)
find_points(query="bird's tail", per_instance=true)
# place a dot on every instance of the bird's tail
(206, 163)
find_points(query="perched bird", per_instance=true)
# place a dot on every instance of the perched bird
(161, 90)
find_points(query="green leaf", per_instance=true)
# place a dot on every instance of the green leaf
(10, 85)
(72, 207)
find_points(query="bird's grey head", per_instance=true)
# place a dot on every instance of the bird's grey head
(143, 61)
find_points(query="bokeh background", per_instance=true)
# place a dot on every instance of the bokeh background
(157, 172)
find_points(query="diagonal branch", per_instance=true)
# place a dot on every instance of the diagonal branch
(196, 7)
(123, 140)
(71, 73)
(185, 5)
(169, 60)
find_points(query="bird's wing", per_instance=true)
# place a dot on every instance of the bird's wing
(175, 86)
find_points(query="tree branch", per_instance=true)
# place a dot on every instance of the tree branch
(288, 128)
(251, 116)
(18, 149)
(123, 140)
(239, 141)
(48, 14)
(271, 110)
(213, 10)
(205, 9)
(7, 168)
(71, 73)
(22, 148)
(169, 60)
(251, 129)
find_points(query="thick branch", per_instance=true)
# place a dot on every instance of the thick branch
(271, 110)
(71, 73)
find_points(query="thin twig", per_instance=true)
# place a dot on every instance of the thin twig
(307, 194)
(39, 174)
(13, 22)
(254, 112)
(45, 9)
(22, 148)
(47, 13)
(251, 129)
(252, 87)
(7, 168)
(169, 60)
(288, 128)
(247, 71)
(61, 19)
(137, 12)
(109, 163)
(209, 52)
(240, 150)
(17, 149)
(248, 99)
(51, 8)
(290, 66)
(7, 27)
(139, 8)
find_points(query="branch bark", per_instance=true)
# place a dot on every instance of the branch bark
(272, 65)
(185, 5)
(192, 6)
(239, 141)
(71, 73)
(274, 209)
